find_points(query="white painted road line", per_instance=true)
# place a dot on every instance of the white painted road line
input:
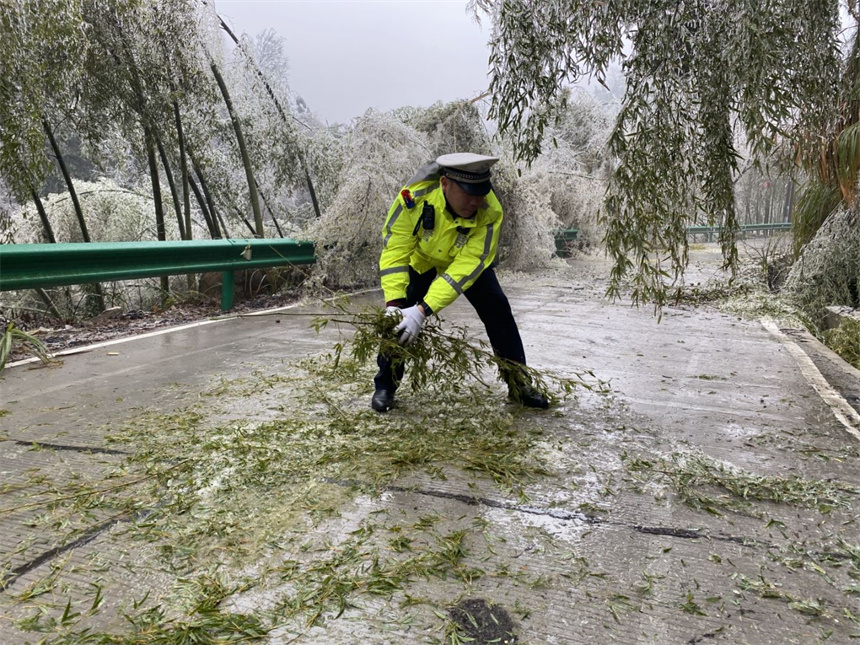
(842, 410)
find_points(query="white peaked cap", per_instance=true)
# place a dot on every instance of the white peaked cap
(468, 166)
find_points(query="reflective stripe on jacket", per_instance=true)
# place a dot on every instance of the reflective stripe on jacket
(459, 257)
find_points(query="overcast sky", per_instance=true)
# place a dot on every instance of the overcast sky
(350, 55)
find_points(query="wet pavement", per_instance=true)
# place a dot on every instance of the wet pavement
(710, 497)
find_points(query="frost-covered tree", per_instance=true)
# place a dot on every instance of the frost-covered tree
(259, 67)
(527, 239)
(325, 159)
(450, 127)
(117, 214)
(41, 60)
(267, 51)
(380, 155)
(696, 73)
(574, 166)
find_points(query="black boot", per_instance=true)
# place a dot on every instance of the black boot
(528, 396)
(382, 400)
(520, 388)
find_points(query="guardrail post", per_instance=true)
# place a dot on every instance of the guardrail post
(227, 290)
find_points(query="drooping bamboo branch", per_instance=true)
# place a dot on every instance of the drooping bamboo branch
(183, 163)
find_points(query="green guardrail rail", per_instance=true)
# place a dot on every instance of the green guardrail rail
(26, 266)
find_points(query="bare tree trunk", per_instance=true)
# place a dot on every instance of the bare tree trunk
(79, 213)
(160, 230)
(149, 136)
(768, 216)
(788, 203)
(183, 162)
(49, 232)
(757, 212)
(210, 224)
(313, 193)
(222, 225)
(271, 212)
(220, 229)
(246, 160)
(165, 163)
(186, 193)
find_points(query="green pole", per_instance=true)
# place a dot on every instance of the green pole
(226, 290)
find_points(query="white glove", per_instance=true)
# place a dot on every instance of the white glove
(395, 312)
(410, 326)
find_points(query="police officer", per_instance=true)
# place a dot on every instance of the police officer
(440, 240)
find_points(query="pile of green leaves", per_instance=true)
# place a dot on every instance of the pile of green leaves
(227, 479)
(445, 359)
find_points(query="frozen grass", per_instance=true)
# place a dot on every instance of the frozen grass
(845, 341)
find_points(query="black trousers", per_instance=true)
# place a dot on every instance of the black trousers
(492, 307)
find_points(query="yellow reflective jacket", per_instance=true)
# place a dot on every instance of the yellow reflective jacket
(459, 249)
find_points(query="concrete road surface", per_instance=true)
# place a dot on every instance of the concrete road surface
(208, 484)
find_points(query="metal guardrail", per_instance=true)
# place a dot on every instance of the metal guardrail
(26, 266)
(564, 237)
(713, 231)
(562, 240)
